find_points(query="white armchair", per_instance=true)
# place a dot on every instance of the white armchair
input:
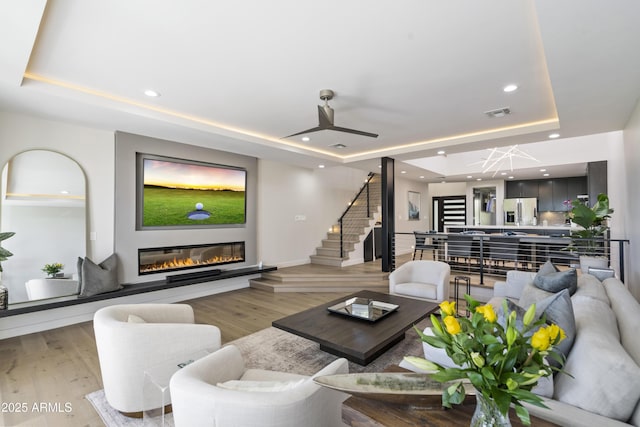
(261, 398)
(428, 280)
(134, 337)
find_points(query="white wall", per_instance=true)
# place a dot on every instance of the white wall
(630, 204)
(297, 206)
(405, 242)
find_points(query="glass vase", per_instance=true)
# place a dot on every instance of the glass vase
(487, 414)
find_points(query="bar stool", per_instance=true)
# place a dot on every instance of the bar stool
(456, 283)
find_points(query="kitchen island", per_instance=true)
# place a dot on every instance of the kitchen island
(540, 230)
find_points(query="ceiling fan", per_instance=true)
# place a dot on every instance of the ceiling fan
(325, 118)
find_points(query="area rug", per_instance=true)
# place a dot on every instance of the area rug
(277, 350)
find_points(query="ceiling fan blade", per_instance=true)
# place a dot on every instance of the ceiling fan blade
(325, 116)
(316, 129)
(357, 132)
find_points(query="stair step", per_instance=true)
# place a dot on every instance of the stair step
(346, 237)
(337, 277)
(330, 252)
(335, 244)
(305, 286)
(325, 260)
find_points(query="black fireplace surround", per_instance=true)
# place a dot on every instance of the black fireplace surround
(175, 258)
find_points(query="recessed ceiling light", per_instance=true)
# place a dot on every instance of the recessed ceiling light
(554, 135)
(338, 146)
(306, 139)
(403, 171)
(543, 170)
(478, 179)
(421, 176)
(64, 192)
(503, 173)
(151, 93)
(511, 177)
(443, 182)
(546, 174)
(510, 88)
(441, 152)
(321, 166)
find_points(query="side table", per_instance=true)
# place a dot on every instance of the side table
(155, 389)
(456, 284)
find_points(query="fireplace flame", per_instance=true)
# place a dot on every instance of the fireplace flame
(188, 262)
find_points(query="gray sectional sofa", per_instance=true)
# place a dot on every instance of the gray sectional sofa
(604, 361)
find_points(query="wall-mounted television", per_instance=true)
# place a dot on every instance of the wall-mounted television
(180, 193)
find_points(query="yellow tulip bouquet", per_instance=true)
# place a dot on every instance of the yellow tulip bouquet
(503, 362)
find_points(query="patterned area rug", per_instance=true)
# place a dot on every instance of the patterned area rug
(277, 350)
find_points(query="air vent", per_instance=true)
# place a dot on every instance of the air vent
(500, 112)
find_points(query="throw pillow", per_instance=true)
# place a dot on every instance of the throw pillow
(547, 268)
(557, 309)
(261, 386)
(132, 318)
(532, 294)
(604, 378)
(99, 278)
(557, 281)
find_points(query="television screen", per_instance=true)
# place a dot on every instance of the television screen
(177, 193)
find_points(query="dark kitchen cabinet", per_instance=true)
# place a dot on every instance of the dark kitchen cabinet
(576, 185)
(551, 193)
(515, 189)
(560, 191)
(545, 195)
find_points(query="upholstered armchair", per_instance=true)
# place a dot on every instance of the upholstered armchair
(134, 337)
(428, 280)
(218, 390)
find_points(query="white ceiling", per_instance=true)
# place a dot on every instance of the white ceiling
(240, 75)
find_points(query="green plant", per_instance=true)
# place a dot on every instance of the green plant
(502, 362)
(5, 254)
(52, 269)
(593, 220)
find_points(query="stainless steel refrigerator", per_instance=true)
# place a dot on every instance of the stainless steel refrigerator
(522, 211)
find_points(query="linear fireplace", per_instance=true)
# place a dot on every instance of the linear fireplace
(162, 260)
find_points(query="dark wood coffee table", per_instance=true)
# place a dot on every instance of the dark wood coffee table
(358, 340)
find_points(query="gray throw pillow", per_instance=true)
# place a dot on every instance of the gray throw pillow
(547, 268)
(557, 281)
(558, 309)
(99, 278)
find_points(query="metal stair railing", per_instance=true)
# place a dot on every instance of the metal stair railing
(363, 193)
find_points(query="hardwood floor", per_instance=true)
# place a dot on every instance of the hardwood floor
(59, 367)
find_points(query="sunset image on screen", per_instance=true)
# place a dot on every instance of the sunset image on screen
(160, 173)
(176, 193)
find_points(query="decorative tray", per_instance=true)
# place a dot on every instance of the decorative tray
(363, 308)
(392, 387)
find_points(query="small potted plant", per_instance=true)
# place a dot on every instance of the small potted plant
(593, 221)
(53, 270)
(4, 254)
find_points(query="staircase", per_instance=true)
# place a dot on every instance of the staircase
(352, 227)
(333, 271)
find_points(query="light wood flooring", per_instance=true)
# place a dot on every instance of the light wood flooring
(61, 366)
